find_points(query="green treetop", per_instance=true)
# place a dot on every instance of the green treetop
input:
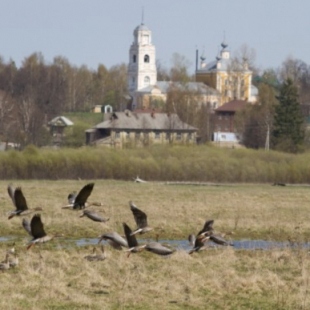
(289, 130)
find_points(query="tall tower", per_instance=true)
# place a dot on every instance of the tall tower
(142, 61)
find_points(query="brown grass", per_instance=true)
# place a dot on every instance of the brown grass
(56, 276)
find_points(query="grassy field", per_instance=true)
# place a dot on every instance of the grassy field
(55, 275)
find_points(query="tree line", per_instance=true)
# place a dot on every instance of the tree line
(37, 91)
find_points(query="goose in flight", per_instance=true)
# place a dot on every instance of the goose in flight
(37, 231)
(199, 242)
(158, 248)
(94, 216)
(134, 247)
(20, 203)
(140, 219)
(132, 242)
(114, 239)
(79, 201)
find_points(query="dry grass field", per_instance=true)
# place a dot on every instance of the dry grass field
(55, 275)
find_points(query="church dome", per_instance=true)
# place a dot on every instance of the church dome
(141, 27)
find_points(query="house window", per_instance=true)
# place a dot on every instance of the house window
(179, 136)
(189, 136)
(127, 134)
(137, 135)
(117, 134)
(134, 58)
(157, 135)
(146, 81)
(167, 135)
(146, 58)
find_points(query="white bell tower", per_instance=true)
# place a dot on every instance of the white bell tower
(142, 61)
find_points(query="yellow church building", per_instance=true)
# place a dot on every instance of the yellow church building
(230, 77)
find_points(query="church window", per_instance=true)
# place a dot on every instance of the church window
(146, 81)
(147, 58)
(134, 58)
(146, 39)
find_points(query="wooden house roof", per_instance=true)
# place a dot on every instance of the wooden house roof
(138, 121)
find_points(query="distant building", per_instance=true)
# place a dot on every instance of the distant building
(144, 89)
(224, 121)
(233, 80)
(140, 128)
(57, 128)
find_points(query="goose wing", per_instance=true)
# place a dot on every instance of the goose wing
(20, 200)
(140, 216)
(27, 227)
(11, 190)
(37, 229)
(208, 226)
(84, 193)
(131, 240)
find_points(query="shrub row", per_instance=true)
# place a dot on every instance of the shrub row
(158, 163)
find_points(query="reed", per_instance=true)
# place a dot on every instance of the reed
(157, 163)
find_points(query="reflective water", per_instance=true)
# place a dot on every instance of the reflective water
(238, 244)
(184, 245)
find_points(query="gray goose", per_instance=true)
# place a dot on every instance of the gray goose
(94, 216)
(114, 239)
(140, 219)
(37, 231)
(20, 203)
(79, 201)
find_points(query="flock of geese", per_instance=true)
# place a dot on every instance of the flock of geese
(129, 242)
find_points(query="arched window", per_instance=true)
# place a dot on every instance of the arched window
(146, 81)
(134, 58)
(146, 58)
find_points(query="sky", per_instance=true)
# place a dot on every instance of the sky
(93, 32)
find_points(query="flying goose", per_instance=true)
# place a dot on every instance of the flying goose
(133, 244)
(199, 242)
(158, 248)
(140, 219)
(114, 239)
(19, 202)
(37, 231)
(79, 201)
(94, 216)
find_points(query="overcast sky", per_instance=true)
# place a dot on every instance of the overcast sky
(93, 32)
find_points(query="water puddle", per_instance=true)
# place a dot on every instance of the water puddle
(4, 239)
(184, 245)
(238, 244)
